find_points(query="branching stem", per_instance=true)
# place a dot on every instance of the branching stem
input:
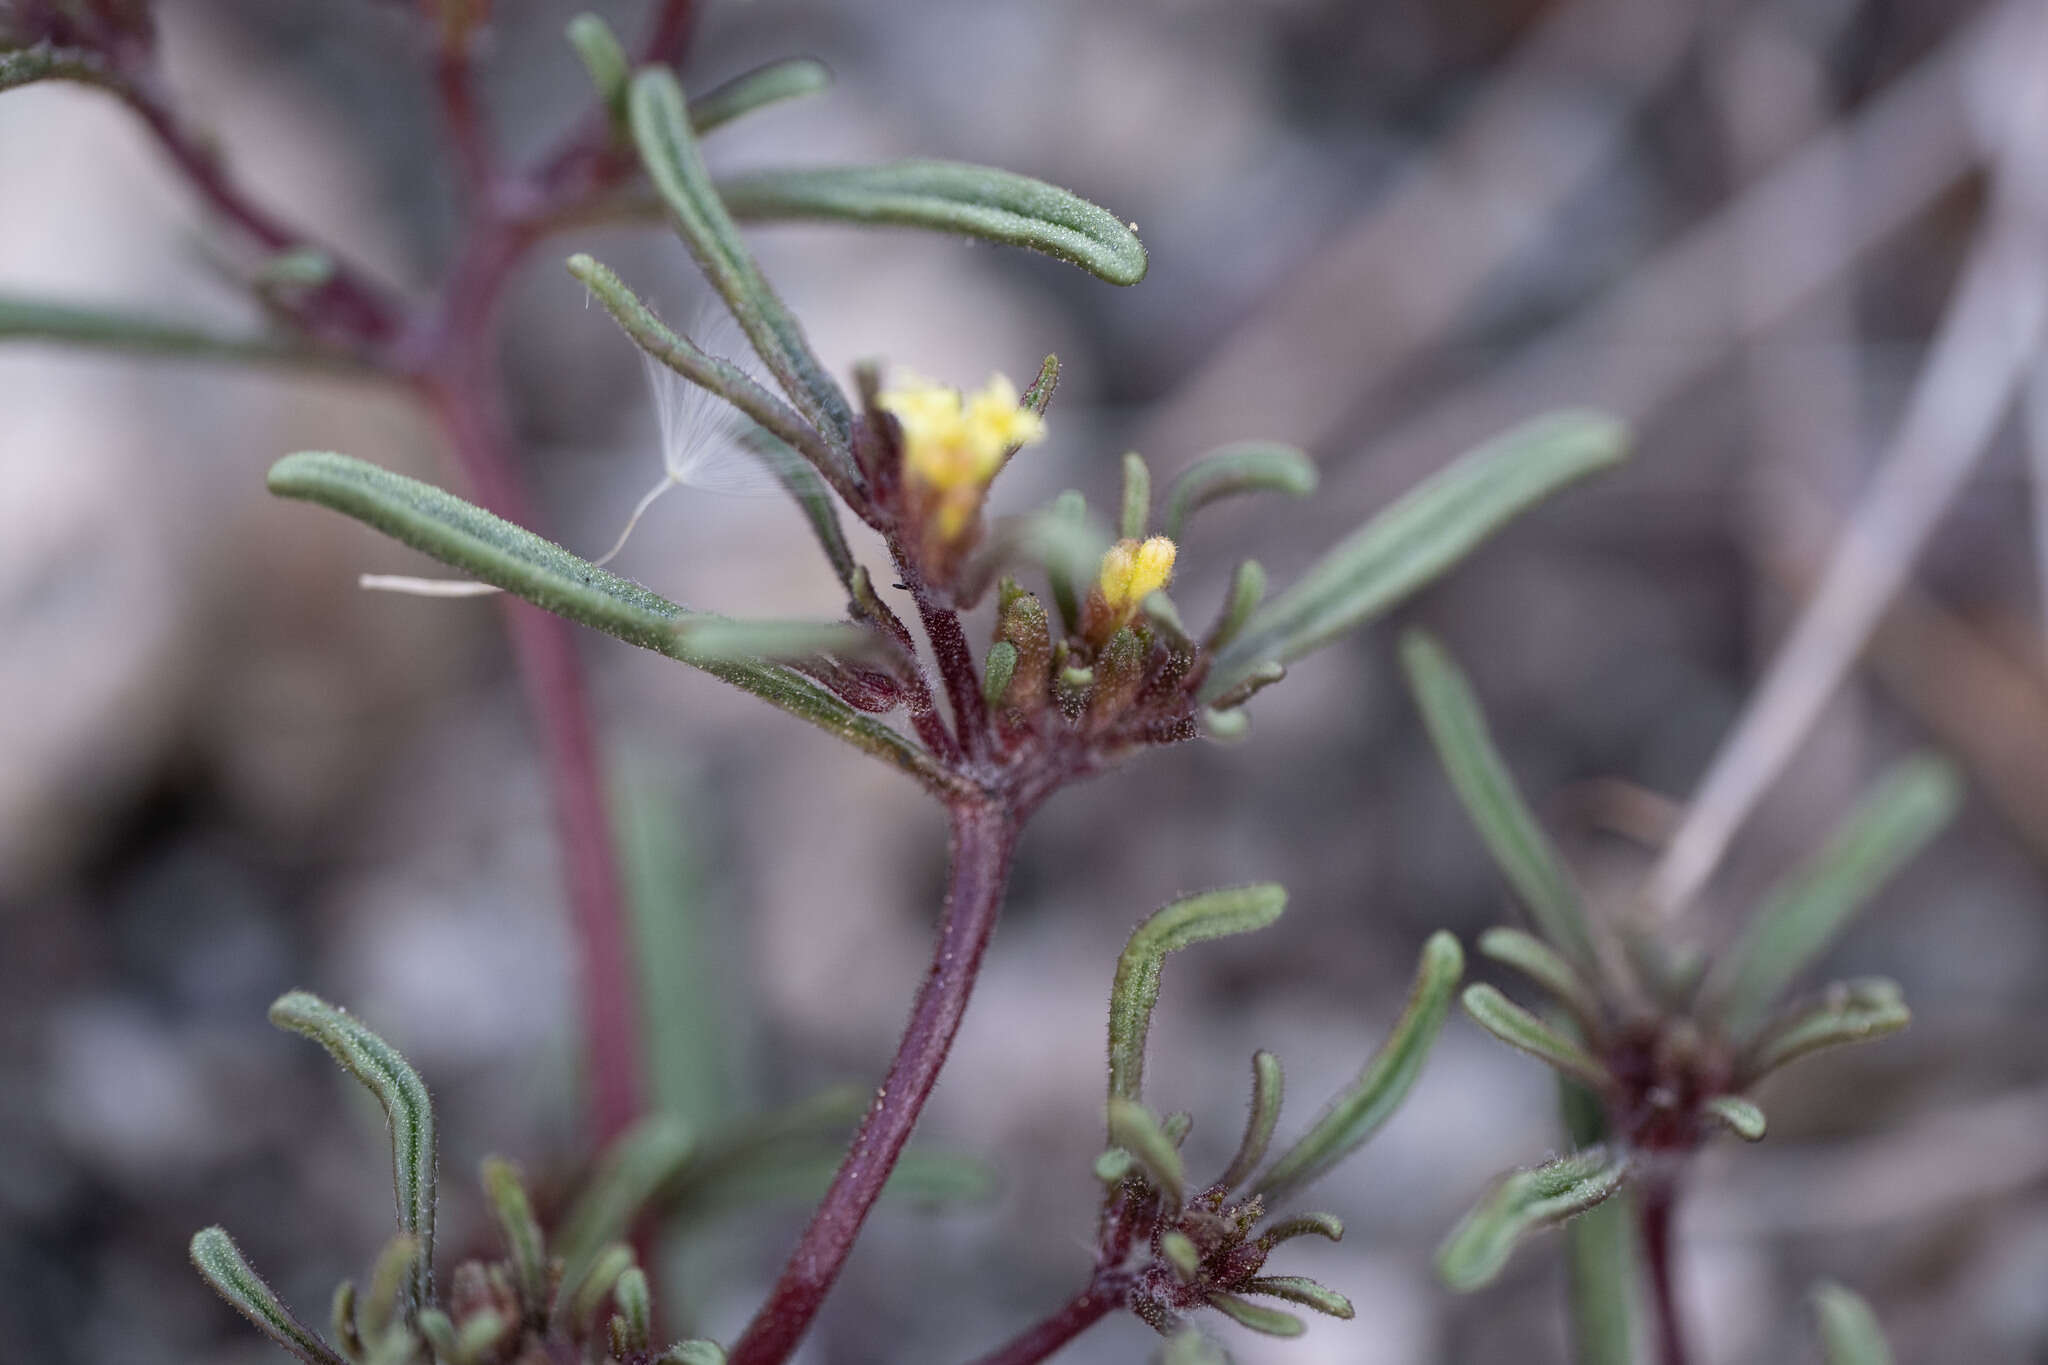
(1040, 1340)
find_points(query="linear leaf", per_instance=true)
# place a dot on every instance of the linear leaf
(1457, 727)
(738, 641)
(1268, 1086)
(1849, 1331)
(1600, 1260)
(1421, 537)
(952, 197)
(1213, 914)
(1272, 1321)
(1132, 1127)
(698, 1352)
(1810, 908)
(1182, 1254)
(398, 1088)
(1846, 1012)
(1327, 1225)
(668, 149)
(1247, 586)
(1249, 467)
(1739, 1116)
(1541, 963)
(1355, 1113)
(788, 79)
(219, 1261)
(1518, 1028)
(1304, 1291)
(66, 324)
(526, 1251)
(1521, 1203)
(1137, 496)
(464, 536)
(633, 1171)
(605, 60)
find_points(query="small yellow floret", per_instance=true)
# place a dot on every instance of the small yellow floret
(953, 445)
(1132, 571)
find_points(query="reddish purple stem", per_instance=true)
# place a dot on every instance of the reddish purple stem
(1657, 1210)
(1035, 1343)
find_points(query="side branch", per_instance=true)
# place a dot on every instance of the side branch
(1039, 1341)
(983, 839)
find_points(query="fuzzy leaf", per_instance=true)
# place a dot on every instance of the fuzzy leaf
(1521, 1203)
(390, 1274)
(524, 1247)
(1132, 1127)
(1506, 824)
(788, 79)
(1268, 1086)
(693, 1353)
(736, 641)
(997, 671)
(1304, 1291)
(1421, 537)
(1739, 1116)
(1809, 909)
(219, 1261)
(1518, 1028)
(668, 149)
(1303, 1225)
(403, 1095)
(1182, 1254)
(1189, 1347)
(950, 197)
(1539, 962)
(1849, 1331)
(1114, 1165)
(584, 1288)
(1847, 1012)
(1213, 914)
(1359, 1110)
(606, 62)
(1252, 467)
(1247, 586)
(487, 547)
(1065, 525)
(66, 324)
(1258, 1317)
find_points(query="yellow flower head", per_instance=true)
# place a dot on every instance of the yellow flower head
(954, 444)
(1132, 571)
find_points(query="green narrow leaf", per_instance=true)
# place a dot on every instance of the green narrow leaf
(1359, 1110)
(1539, 962)
(1521, 1203)
(524, 1248)
(1250, 467)
(392, 1271)
(632, 1172)
(1268, 1086)
(950, 197)
(219, 1262)
(1039, 396)
(1194, 919)
(65, 324)
(1303, 1225)
(1849, 1331)
(1257, 1316)
(1304, 1291)
(738, 641)
(606, 61)
(1847, 1012)
(1132, 1127)
(1808, 910)
(1070, 512)
(1518, 1028)
(1137, 496)
(996, 672)
(584, 1289)
(1247, 586)
(1182, 1254)
(1739, 1116)
(788, 79)
(1421, 537)
(1600, 1260)
(1506, 825)
(437, 1329)
(341, 1317)
(1114, 1165)
(924, 1179)
(668, 149)
(487, 547)
(403, 1095)
(480, 1335)
(1189, 1347)
(693, 1353)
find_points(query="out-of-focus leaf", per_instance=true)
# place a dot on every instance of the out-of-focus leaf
(1213, 914)
(1421, 537)
(492, 549)
(719, 637)
(1521, 1203)
(1507, 826)
(1268, 1086)
(1132, 1127)
(788, 79)
(1805, 912)
(1847, 1012)
(1849, 1331)
(1542, 964)
(951, 197)
(1600, 1255)
(65, 324)
(1252, 467)
(611, 72)
(631, 1173)
(1355, 1113)
(47, 62)
(1739, 1116)
(1189, 1347)
(402, 1094)
(1137, 496)
(1271, 1321)
(1303, 1225)
(1247, 586)
(523, 1245)
(219, 1261)
(1516, 1027)
(1304, 1291)
(1181, 1253)
(693, 1353)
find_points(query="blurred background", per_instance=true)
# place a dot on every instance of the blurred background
(1381, 229)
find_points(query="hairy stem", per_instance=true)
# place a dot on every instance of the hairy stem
(1036, 1342)
(983, 837)
(1656, 1210)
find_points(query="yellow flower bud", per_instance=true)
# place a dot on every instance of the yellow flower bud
(954, 444)
(1132, 571)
